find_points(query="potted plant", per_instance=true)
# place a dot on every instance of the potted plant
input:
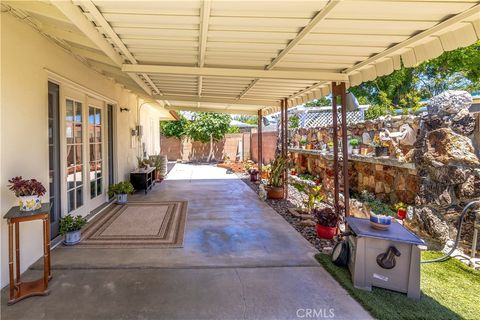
(330, 146)
(303, 142)
(160, 163)
(401, 210)
(266, 171)
(327, 222)
(380, 214)
(121, 190)
(381, 147)
(275, 188)
(354, 143)
(143, 163)
(70, 227)
(28, 193)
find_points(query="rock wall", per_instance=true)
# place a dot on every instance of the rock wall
(448, 166)
(391, 180)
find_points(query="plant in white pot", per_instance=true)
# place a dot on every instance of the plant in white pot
(121, 190)
(354, 143)
(70, 227)
(28, 193)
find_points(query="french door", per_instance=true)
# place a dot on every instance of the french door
(83, 149)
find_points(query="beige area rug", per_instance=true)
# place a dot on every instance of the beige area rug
(137, 225)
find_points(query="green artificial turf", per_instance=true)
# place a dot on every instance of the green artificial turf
(450, 290)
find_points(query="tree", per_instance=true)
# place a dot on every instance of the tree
(322, 102)
(209, 127)
(177, 128)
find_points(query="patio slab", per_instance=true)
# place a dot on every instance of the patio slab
(240, 260)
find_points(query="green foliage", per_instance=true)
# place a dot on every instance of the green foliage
(70, 223)
(354, 142)
(375, 205)
(232, 129)
(177, 129)
(277, 169)
(247, 119)
(294, 122)
(124, 187)
(208, 126)
(322, 102)
(306, 176)
(311, 195)
(400, 205)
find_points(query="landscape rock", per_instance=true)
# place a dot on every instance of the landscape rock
(449, 148)
(428, 221)
(463, 123)
(449, 102)
(434, 194)
(470, 189)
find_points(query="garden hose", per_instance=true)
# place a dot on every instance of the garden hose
(459, 230)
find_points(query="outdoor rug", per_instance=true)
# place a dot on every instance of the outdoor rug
(137, 225)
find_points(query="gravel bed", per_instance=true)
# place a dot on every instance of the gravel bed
(282, 208)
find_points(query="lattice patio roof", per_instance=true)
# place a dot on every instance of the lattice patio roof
(242, 56)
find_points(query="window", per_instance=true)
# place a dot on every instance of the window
(74, 136)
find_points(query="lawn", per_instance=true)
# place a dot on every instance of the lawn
(450, 290)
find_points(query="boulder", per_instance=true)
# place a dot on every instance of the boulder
(429, 221)
(447, 174)
(434, 194)
(443, 146)
(463, 123)
(450, 102)
(470, 189)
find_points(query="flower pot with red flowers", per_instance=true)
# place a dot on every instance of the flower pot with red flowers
(28, 193)
(327, 222)
(401, 210)
(275, 189)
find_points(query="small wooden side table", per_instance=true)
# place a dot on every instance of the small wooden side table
(19, 290)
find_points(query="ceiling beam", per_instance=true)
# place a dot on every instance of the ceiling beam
(419, 36)
(235, 73)
(206, 109)
(102, 22)
(222, 100)
(202, 48)
(75, 15)
(320, 16)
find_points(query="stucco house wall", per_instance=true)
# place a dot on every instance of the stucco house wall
(26, 59)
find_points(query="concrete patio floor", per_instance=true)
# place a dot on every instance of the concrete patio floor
(240, 260)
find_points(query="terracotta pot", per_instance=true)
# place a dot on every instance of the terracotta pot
(275, 193)
(401, 214)
(326, 232)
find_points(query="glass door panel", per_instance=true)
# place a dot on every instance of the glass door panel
(74, 146)
(95, 148)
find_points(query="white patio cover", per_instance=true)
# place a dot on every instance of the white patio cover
(242, 56)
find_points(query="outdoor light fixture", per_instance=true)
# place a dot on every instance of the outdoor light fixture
(124, 109)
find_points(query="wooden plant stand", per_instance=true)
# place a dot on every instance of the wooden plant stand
(19, 290)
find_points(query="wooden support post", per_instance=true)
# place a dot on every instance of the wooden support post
(335, 149)
(285, 143)
(260, 142)
(346, 193)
